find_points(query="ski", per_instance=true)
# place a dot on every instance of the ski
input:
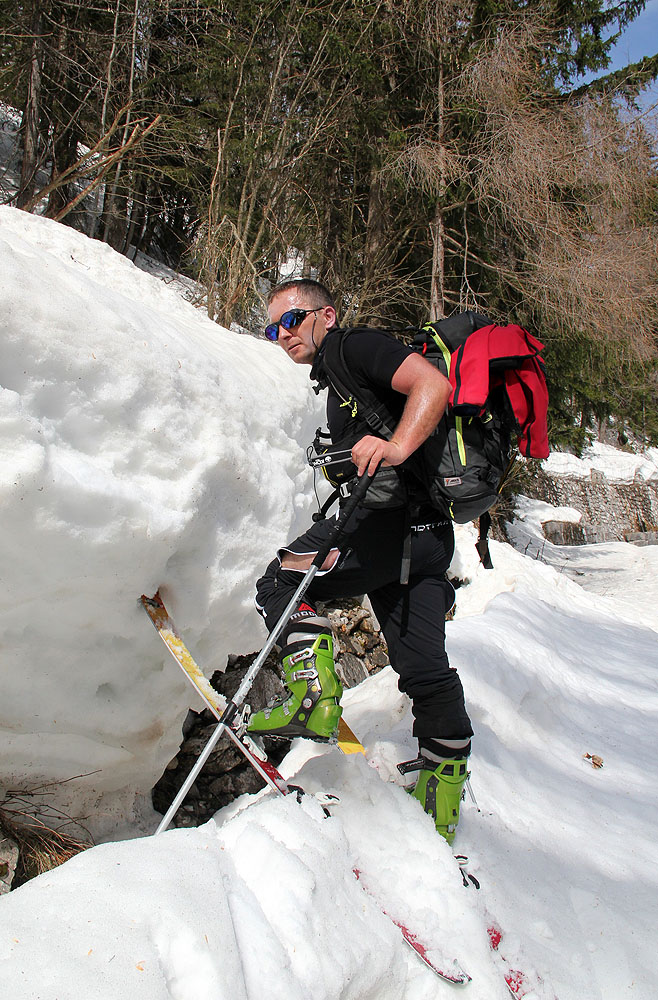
(514, 978)
(347, 741)
(155, 608)
(157, 612)
(518, 983)
(451, 971)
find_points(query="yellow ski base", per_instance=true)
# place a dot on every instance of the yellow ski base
(347, 741)
(157, 612)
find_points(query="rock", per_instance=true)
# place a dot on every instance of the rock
(642, 537)
(564, 532)
(266, 686)
(357, 640)
(377, 659)
(351, 670)
(226, 773)
(339, 645)
(355, 645)
(357, 618)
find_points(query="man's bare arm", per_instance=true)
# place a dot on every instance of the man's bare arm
(427, 392)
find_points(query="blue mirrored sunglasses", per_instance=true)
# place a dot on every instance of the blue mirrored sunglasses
(288, 320)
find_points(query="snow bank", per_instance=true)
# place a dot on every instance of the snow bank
(554, 670)
(618, 466)
(142, 447)
(265, 905)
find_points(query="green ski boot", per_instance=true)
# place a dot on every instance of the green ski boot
(311, 705)
(440, 794)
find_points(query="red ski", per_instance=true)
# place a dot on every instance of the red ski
(451, 971)
(518, 983)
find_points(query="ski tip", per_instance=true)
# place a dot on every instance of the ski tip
(152, 602)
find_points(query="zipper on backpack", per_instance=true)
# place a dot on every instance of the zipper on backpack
(461, 445)
(442, 347)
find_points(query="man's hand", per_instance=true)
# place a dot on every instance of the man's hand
(370, 451)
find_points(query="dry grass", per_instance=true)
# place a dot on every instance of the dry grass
(39, 831)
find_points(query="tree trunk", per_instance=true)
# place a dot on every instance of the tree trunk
(114, 231)
(332, 222)
(96, 219)
(31, 113)
(116, 221)
(65, 154)
(437, 226)
(375, 241)
(135, 216)
(437, 292)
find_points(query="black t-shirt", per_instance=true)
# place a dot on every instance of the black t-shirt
(372, 358)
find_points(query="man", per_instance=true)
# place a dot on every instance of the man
(370, 553)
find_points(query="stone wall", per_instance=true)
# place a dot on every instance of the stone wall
(612, 511)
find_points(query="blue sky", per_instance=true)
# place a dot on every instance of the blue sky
(639, 39)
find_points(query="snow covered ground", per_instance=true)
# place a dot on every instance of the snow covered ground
(262, 901)
(618, 466)
(625, 574)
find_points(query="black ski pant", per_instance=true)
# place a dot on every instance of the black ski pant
(412, 616)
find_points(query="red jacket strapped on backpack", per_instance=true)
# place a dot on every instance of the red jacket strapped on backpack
(511, 355)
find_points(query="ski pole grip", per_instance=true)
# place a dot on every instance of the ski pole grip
(356, 496)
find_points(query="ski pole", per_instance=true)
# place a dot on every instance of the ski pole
(231, 710)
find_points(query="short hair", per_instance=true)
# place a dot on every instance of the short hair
(309, 288)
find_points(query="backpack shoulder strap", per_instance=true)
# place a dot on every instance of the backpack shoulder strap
(334, 372)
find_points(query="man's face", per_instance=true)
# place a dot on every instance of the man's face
(301, 342)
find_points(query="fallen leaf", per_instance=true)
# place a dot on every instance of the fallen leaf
(595, 759)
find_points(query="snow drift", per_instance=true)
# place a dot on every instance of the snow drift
(142, 446)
